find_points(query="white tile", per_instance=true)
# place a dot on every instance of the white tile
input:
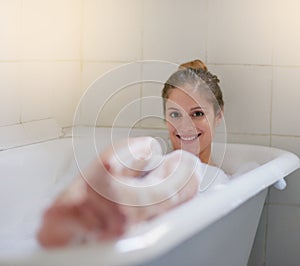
(9, 93)
(67, 132)
(36, 91)
(291, 194)
(115, 93)
(157, 71)
(122, 108)
(174, 30)
(28, 133)
(51, 29)
(263, 140)
(66, 92)
(49, 90)
(42, 130)
(285, 104)
(283, 236)
(288, 143)
(10, 15)
(285, 27)
(92, 75)
(247, 96)
(152, 106)
(155, 74)
(112, 30)
(13, 136)
(239, 32)
(95, 70)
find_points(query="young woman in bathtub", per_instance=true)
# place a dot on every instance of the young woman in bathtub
(99, 206)
(193, 107)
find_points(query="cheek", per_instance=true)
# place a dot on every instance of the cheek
(172, 131)
(171, 128)
(209, 123)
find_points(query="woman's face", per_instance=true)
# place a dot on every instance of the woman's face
(191, 121)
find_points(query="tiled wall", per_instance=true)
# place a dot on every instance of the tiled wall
(39, 59)
(51, 51)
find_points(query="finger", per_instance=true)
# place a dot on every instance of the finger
(133, 156)
(111, 219)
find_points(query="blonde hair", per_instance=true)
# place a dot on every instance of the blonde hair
(196, 74)
(195, 64)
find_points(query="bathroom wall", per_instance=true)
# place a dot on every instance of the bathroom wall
(40, 68)
(52, 50)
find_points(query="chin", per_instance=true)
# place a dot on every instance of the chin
(193, 150)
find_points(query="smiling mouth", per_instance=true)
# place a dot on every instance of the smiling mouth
(188, 138)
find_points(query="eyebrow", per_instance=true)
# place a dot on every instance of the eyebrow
(192, 109)
(198, 107)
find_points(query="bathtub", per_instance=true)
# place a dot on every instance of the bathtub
(215, 228)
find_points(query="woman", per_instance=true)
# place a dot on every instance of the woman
(193, 107)
(93, 207)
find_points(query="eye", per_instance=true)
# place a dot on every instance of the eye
(198, 114)
(174, 114)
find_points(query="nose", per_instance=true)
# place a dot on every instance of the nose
(187, 126)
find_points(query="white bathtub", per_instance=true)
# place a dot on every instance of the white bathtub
(214, 228)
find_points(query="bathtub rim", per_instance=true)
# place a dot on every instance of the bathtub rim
(230, 201)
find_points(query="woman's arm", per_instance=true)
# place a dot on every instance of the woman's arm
(132, 181)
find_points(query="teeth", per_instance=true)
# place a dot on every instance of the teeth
(189, 138)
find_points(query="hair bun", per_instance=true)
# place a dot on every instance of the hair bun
(195, 64)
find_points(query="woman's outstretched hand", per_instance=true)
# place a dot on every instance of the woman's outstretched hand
(129, 182)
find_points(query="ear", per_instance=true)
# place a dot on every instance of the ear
(219, 116)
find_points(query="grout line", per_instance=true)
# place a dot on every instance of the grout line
(248, 134)
(20, 49)
(81, 43)
(285, 204)
(81, 89)
(32, 143)
(266, 234)
(286, 136)
(142, 29)
(108, 61)
(272, 74)
(253, 65)
(261, 135)
(149, 127)
(271, 106)
(35, 60)
(27, 121)
(81, 33)
(206, 34)
(126, 61)
(139, 124)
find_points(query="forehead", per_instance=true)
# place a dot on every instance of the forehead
(187, 97)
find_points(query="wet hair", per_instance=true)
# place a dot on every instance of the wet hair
(195, 64)
(199, 78)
